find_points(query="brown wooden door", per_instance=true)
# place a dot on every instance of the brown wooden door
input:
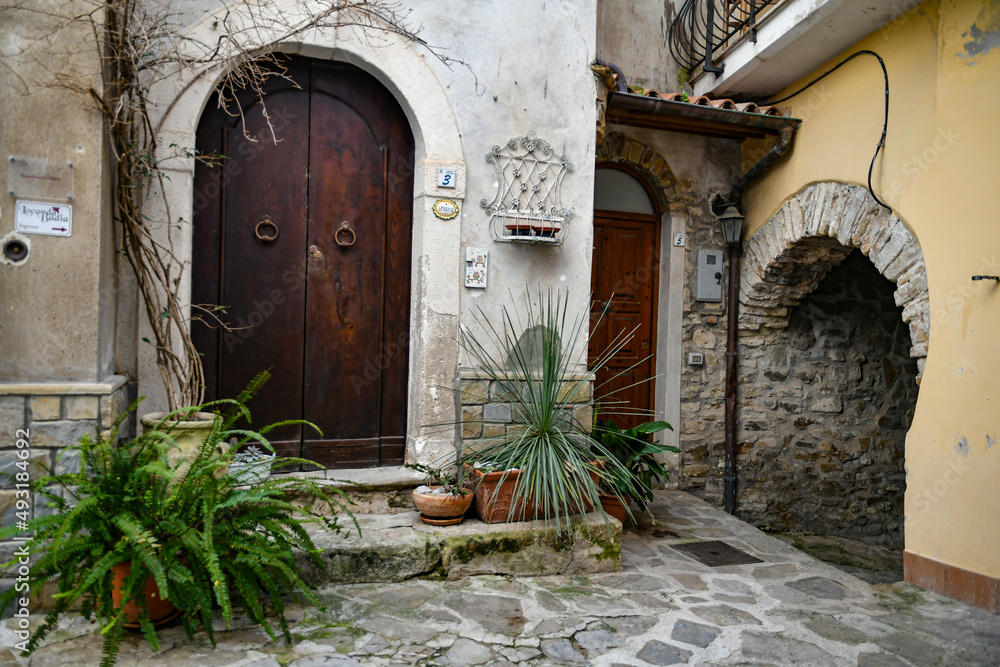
(323, 306)
(623, 285)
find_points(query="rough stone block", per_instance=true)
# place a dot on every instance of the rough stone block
(828, 404)
(45, 408)
(494, 430)
(82, 407)
(9, 460)
(472, 421)
(59, 434)
(475, 392)
(496, 413)
(575, 392)
(9, 509)
(533, 548)
(11, 414)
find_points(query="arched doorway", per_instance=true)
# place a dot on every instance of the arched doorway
(624, 279)
(306, 243)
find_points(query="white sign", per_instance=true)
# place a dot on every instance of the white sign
(32, 217)
(446, 178)
(475, 275)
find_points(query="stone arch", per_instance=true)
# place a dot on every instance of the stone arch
(177, 103)
(620, 149)
(813, 232)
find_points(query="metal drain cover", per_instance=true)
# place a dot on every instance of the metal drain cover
(716, 554)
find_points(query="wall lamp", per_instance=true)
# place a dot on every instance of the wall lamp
(732, 226)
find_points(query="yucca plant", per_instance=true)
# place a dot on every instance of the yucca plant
(186, 524)
(537, 358)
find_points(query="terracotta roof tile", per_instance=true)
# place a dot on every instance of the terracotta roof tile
(704, 101)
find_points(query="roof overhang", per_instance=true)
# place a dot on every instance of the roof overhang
(672, 116)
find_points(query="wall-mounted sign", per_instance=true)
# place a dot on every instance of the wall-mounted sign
(445, 209)
(475, 274)
(45, 178)
(446, 177)
(32, 217)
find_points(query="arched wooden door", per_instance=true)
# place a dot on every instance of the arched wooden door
(306, 244)
(624, 278)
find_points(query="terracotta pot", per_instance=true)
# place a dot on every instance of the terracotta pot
(615, 507)
(437, 507)
(495, 493)
(494, 496)
(160, 611)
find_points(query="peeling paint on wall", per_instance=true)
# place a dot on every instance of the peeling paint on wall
(962, 447)
(990, 441)
(984, 34)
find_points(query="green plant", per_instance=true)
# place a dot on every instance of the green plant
(538, 362)
(451, 482)
(632, 449)
(185, 524)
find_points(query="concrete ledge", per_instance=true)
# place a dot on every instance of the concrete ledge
(398, 547)
(62, 387)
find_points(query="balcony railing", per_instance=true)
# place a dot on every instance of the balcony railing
(704, 29)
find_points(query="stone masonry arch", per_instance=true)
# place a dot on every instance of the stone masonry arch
(620, 149)
(810, 234)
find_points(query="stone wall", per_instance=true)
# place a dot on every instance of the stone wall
(486, 410)
(45, 420)
(824, 409)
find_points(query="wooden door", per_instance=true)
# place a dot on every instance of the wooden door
(306, 243)
(623, 286)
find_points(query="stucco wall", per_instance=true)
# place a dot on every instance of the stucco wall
(54, 306)
(937, 174)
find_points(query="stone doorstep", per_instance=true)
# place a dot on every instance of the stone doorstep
(397, 547)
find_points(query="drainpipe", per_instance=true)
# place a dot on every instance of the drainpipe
(729, 478)
(785, 135)
(735, 199)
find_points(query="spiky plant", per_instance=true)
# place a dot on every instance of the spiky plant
(201, 538)
(537, 358)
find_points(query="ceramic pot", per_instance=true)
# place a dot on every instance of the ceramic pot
(188, 434)
(160, 611)
(615, 507)
(442, 508)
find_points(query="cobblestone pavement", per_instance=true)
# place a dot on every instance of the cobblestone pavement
(662, 609)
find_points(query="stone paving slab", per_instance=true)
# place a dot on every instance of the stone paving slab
(661, 609)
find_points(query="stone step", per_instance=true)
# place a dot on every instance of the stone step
(397, 547)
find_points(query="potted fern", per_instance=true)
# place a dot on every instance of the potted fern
(634, 451)
(543, 466)
(131, 531)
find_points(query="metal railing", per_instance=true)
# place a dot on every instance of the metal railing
(703, 28)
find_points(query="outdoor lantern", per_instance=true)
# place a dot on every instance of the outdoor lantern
(732, 226)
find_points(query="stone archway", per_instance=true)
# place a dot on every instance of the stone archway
(178, 101)
(834, 319)
(813, 232)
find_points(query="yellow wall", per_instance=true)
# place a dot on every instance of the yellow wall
(941, 175)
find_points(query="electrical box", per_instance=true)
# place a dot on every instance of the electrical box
(709, 276)
(696, 359)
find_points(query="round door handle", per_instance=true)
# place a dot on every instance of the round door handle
(342, 238)
(266, 230)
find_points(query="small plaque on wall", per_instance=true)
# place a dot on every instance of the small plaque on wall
(32, 217)
(39, 177)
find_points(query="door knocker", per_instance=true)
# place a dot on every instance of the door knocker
(266, 230)
(345, 228)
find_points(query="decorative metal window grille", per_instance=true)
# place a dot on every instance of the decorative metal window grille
(527, 206)
(703, 28)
